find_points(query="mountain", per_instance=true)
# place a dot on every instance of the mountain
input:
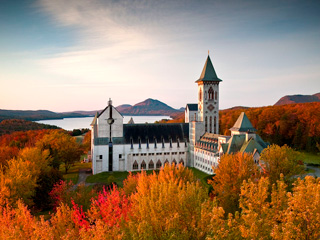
(123, 107)
(35, 115)
(290, 99)
(147, 107)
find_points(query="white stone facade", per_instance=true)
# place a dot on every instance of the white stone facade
(196, 143)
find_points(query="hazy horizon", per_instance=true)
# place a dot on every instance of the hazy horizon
(74, 55)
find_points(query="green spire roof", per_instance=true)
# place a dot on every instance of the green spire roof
(208, 72)
(243, 124)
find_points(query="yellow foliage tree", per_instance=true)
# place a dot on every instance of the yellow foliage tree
(232, 170)
(278, 160)
(168, 206)
(301, 219)
(63, 147)
(18, 179)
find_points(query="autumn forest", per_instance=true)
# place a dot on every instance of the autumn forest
(241, 201)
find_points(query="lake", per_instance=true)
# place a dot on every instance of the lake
(84, 122)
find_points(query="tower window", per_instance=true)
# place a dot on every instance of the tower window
(211, 93)
(216, 95)
(200, 95)
(210, 124)
(206, 124)
(215, 125)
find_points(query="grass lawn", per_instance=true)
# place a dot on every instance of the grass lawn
(310, 158)
(201, 176)
(104, 176)
(73, 172)
(79, 139)
(121, 176)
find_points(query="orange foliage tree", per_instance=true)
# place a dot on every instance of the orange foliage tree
(294, 124)
(232, 170)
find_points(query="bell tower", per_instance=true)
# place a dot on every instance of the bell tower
(208, 98)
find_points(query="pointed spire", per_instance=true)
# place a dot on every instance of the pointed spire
(94, 121)
(131, 121)
(243, 124)
(208, 72)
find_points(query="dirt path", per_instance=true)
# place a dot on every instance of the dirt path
(83, 174)
(316, 172)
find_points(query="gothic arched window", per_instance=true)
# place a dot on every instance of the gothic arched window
(200, 95)
(151, 165)
(135, 165)
(166, 162)
(216, 95)
(215, 125)
(181, 162)
(174, 162)
(143, 165)
(211, 93)
(210, 123)
(158, 165)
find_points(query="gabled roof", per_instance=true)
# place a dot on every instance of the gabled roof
(208, 72)
(224, 147)
(235, 143)
(107, 108)
(192, 106)
(250, 146)
(243, 124)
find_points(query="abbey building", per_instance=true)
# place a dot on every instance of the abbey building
(116, 146)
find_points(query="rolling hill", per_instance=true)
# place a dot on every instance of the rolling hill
(291, 99)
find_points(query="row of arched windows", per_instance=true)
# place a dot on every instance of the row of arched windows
(212, 95)
(143, 164)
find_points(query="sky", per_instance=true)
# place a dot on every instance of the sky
(67, 55)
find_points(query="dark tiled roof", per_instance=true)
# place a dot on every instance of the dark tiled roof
(192, 106)
(209, 142)
(167, 131)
